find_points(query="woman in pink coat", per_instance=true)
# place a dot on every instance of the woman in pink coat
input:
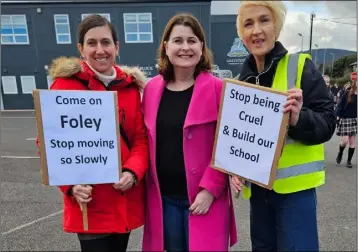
(189, 206)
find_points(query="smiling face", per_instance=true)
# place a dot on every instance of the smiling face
(99, 49)
(258, 30)
(183, 48)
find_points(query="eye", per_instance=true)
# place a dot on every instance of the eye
(91, 43)
(247, 24)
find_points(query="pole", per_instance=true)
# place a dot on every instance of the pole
(332, 63)
(302, 44)
(324, 59)
(312, 16)
(315, 58)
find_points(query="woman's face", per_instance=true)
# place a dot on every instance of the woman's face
(183, 48)
(258, 30)
(99, 49)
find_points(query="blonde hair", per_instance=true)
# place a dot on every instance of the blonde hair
(277, 8)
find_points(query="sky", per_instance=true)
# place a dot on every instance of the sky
(326, 34)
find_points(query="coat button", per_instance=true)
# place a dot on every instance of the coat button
(127, 229)
(193, 170)
(122, 193)
(190, 136)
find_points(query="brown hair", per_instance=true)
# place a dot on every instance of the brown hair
(165, 67)
(352, 90)
(93, 21)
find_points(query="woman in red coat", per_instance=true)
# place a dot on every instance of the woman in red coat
(113, 209)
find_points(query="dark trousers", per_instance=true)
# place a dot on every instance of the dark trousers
(112, 242)
(175, 215)
(283, 222)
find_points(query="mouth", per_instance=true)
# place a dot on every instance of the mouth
(102, 59)
(185, 56)
(258, 42)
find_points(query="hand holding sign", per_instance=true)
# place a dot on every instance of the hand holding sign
(294, 104)
(82, 193)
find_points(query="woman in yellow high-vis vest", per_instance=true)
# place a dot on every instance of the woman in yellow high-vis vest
(284, 219)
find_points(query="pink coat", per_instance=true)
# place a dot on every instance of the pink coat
(216, 230)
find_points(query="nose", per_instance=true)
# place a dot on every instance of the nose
(99, 49)
(185, 46)
(257, 28)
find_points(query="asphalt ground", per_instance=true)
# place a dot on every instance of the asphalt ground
(31, 214)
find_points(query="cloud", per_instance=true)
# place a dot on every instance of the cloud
(325, 34)
(333, 8)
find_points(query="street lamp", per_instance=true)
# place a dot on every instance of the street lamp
(332, 62)
(300, 34)
(315, 58)
(324, 59)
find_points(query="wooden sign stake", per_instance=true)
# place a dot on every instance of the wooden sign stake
(84, 216)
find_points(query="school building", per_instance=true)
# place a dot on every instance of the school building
(35, 32)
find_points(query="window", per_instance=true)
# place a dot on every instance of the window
(62, 28)
(106, 15)
(14, 30)
(138, 27)
(28, 84)
(9, 84)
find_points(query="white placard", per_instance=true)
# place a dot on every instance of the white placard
(80, 136)
(251, 122)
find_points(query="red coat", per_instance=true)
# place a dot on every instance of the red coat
(110, 210)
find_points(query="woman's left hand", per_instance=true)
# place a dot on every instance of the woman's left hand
(126, 181)
(293, 105)
(202, 203)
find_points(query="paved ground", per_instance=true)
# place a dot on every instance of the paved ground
(31, 213)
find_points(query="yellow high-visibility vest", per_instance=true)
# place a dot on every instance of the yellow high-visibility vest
(301, 166)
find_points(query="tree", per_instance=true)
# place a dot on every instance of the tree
(342, 64)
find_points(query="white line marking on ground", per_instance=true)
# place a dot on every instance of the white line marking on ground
(19, 157)
(31, 139)
(31, 223)
(17, 117)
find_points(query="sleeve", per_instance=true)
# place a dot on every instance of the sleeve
(58, 84)
(138, 161)
(317, 119)
(215, 181)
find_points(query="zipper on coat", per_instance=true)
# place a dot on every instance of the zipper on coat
(257, 82)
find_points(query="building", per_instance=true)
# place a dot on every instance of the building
(33, 33)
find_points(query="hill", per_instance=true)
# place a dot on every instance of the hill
(338, 53)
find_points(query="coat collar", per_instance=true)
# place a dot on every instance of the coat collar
(203, 95)
(249, 67)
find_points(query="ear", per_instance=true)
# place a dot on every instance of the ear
(117, 48)
(80, 49)
(165, 45)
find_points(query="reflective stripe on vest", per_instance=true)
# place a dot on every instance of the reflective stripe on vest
(297, 159)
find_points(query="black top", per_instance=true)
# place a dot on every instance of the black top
(345, 109)
(317, 120)
(170, 157)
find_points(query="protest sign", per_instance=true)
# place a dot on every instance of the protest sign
(250, 132)
(78, 133)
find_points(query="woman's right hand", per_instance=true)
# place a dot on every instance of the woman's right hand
(82, 193)
(237, 183)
